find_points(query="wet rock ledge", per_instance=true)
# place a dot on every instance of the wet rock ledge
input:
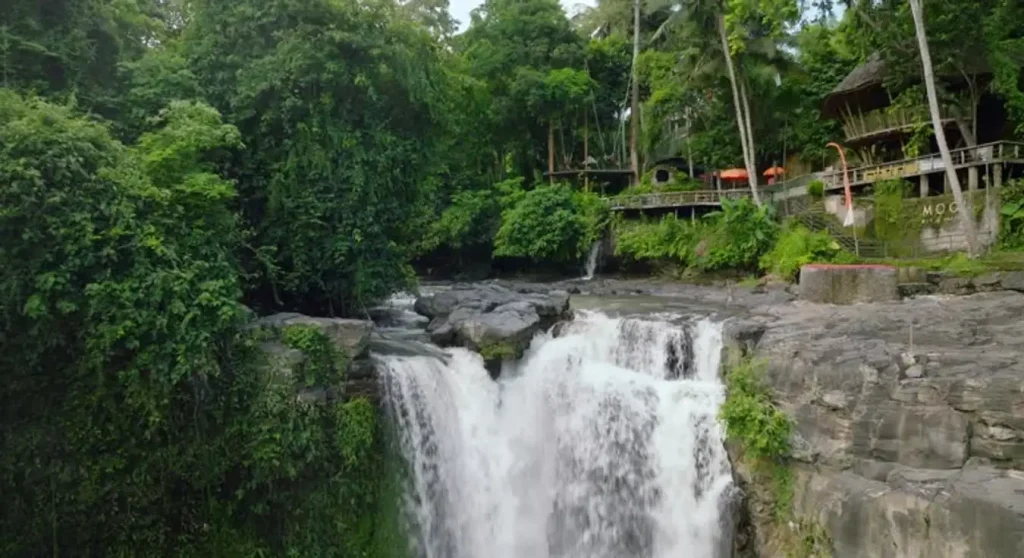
(494, 320)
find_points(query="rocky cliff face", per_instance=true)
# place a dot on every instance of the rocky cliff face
(350, 338)
(909, 420)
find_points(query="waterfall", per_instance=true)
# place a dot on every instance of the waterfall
(602, 443)
(592, 257)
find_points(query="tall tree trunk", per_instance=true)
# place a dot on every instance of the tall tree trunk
(551, 152)
(586, 152)
(752, 170)
(738, 105)
(966, 212)
(634, 103)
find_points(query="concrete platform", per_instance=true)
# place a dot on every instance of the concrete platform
(848, 284)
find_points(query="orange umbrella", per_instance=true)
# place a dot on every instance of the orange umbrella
(734, 174)
(775, 171)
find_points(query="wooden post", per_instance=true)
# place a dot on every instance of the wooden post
(997, 175)
(586, 153)
(924, 185)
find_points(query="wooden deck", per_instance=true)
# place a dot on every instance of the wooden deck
(1001, 153)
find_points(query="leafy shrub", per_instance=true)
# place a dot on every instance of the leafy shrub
(798, 246)
(816, 189)
(667, 239)
(1011, 225)
(750, 416)
(731, 239)
(737, 237)
(549, 223)
(472, 219)
(680, 182)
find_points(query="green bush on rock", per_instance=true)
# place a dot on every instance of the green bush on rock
(797, 246)
(760, 431)
(750, 416)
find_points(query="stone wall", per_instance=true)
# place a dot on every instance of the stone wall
(930, 225)
(943, 233)
(909, 421)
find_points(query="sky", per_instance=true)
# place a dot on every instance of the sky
(460, 9)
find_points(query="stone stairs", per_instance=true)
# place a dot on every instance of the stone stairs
(803, 210)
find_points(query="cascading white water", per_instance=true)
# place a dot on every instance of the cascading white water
(592, 257)
(602, 443)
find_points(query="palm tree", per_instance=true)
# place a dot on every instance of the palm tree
(705, 22)
(966, 213)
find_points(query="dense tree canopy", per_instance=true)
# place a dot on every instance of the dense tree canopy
(169, 168)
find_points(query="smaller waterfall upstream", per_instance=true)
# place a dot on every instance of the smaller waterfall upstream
(602, 443)
(592, 258)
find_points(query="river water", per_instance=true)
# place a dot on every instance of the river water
(602, 442)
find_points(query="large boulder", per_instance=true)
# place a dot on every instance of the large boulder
(492, 319)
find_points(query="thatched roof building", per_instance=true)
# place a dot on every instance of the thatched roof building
(862, 88)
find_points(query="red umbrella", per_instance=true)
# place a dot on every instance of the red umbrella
(775, 171)
(734, 174)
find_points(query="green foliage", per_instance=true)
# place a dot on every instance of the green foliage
(324, 364)
(472, 219)
(740, 233)
(525, 51)
(500, 351)
(550, 223)
(137, 417)
(732, 239)
(1011, 224)
(337, 105)
(891, 220)
(152, 82)
(816, 189)
(667, 239)
(679, 182)
(797, 246)
(751, 418)
(761, 432)
(70, 49)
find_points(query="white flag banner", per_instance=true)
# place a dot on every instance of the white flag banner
(848, 221)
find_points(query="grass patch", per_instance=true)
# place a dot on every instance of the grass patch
(749, 282)
(960, 265)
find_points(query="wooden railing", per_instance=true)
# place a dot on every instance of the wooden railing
(675, 199)
(1000, 152)
(965, 157)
